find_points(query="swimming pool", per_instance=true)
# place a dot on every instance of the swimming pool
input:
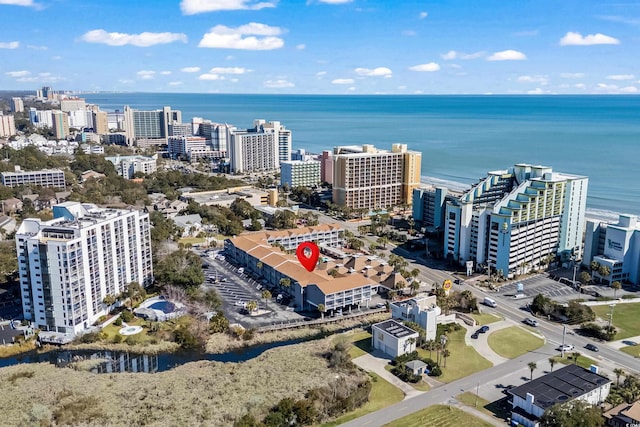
(164, 306)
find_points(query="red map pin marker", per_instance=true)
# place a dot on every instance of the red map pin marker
(308, 254)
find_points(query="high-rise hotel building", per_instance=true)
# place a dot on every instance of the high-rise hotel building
(365, 177)
(152, 126)
(261, 148)
(513, 219)
(69, 264)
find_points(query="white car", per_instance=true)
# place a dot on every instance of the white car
(566, 347)
(531, 322)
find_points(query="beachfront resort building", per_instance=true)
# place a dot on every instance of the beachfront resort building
(615, 246)
(149, 126)
(365, 177)
(422, 310)
(69, 264)
(512, 220)
(300, 173)
(260, 148)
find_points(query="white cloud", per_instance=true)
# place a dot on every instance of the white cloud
(423, 15)
(321, 73)
(280, 83)
(342, 81)
(579, 85)
(177, 83)
(402, 87)
(9, 45)
(629, 89)
(576, 39)
(572, 75)
(351, 89)
(536, 91)
(141, 40)
(22, 73)
(301, 46)
(507, 55)
(146, 74)
(456, 66)
(56, 57)
(243, 37)
(621, 77)
(165, 73)
(335, 1)
(193, 7)
(35, 47)
(409, 33)
(234, 80)
(229, 70)
(543, 80)
(375, 72)
(27, 3)
(211, 77)
(622, 19)
(429, 67)
(126, 81)
(452, 54)
(190, 69)
(27, 79)
(605, 86)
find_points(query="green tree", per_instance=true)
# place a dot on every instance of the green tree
(266, 295)
(285, 283)
(616, 286)
(595, 266)
(604, 271)
(552, 362)
(252, 306)
(8, 261)
(618, 372)
(575, 356)
(585, 278)
(181, 268)
(382, 241)
(414, 286)
(576, 413)
(445, 353)
(241, 208)
(322, 309)
(532, 367)
(109, 300)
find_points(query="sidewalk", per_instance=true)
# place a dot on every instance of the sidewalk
(373, 363)
(618, 344)
(481, 345)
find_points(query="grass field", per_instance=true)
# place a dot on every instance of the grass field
(513, 342)
(382, 394)
(361, 343)
(583, 361)
(192, 240)
(485, 318)
(464, 360)
(438, 416)
(493, 409)
(199, 393)
(631, 350)
(625, 318)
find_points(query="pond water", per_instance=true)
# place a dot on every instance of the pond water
(115, 361)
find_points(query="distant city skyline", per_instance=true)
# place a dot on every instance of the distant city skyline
(322, 46)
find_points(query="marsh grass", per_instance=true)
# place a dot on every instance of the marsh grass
(199, 393)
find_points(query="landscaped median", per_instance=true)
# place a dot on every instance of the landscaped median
(513, 341)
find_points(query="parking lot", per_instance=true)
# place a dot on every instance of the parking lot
(236, 289)
(541, 284)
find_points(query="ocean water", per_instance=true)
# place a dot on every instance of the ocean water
(461, 137)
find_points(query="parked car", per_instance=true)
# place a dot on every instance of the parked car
(531, 322)
(483, 329)
(566, 347)
(380, 305)
(475, 335)
(592, 347)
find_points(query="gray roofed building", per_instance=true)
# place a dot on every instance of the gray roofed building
(571, 382)
(393, 338)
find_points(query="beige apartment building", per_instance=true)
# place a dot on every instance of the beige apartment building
(365, 177)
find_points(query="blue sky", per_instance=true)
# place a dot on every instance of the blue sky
(322, 46)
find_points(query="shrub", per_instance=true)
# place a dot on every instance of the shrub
(126, 316)
(90, 337)
(80, 411)
(118, 321)
(629, 296)
(185, 338)
(117, 339)
(248, 334)
(594, 330)
(435, 372)
(22, 374)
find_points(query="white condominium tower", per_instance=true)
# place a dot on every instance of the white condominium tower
(261, 148)
(69, 264)
(365, 177)
(514, 219)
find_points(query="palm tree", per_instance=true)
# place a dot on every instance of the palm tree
(575, 355)
(414, 286)
(532, 367)
(252, 306)
(321, 309)
(430, 345)
(382, 241)
(615, 286)
(410, 342)
(618, 373)
(259, 266)
(595, 266)
(445, 353)
(604, 271)
(414, 273)
(552, 362)
(266, 295)
(285, 282)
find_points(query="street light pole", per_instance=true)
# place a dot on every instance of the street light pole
(611, 316)
(564, 332)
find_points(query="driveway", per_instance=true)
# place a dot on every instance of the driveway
(375, 362)
(481, 345)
